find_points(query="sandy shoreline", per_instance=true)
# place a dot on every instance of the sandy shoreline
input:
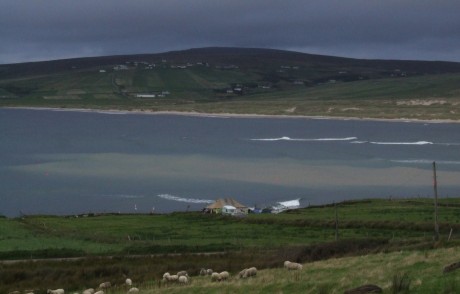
(231, 115)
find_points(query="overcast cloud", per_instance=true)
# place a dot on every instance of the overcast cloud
(386, 29)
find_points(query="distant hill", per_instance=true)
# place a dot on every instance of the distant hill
(239, 80)
(241, 57)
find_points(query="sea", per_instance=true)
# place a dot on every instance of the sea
(69, 162)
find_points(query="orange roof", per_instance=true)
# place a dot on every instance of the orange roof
(225, 201)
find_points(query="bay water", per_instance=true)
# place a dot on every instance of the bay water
(75, 162)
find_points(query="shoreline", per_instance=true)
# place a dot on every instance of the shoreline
(230, 115)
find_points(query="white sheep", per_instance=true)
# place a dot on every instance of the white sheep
(249, 272)
(203, 272)
(170, 278)
(215, 277)
(133, 290)
(286, 263)
(294, 266)
(105, 285)
(224, 275)
(128, 282)
(183, 280)
(182, 273)
(209, 271)
(88, 291)
(57, 291)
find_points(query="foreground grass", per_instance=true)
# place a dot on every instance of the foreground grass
(423, 269)
(143, 247)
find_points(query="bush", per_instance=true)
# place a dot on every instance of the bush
(400, 283)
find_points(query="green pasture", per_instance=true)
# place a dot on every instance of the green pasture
(386, 236)
(394, 220)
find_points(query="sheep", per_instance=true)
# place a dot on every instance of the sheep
(170, 278)
(57, 291)
(241, 274)
(215, 277)
(100, 292)
(203, 272)
(88, 291)
(209, 271)
(292, 265)
(249, 272)
(182, 273)
(183, 280)
(128, 282)
(224, 275)
(105, 285)
(133, 290)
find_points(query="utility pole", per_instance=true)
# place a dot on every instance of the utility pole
(336, 223)
(435, 187)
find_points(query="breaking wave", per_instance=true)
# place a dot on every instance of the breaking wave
(426, 161)
(403, 143)
(305, 140)
(181, 199)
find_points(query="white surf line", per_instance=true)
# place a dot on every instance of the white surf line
(304, 140)
(181, 199)
(403, 143)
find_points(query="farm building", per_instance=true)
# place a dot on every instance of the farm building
(227, 206)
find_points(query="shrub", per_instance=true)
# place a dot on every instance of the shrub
(400, 283)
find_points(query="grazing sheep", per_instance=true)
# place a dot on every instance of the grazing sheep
(246, 273)
(224, 275)
(215, 277)
(133, 290)
(293, 266)
(203, 272)
(209, 271)
(182, 273)
(170, 278)
(57, 291)
(128, 282)
(88, 291)
(105, 285)
(183, 280)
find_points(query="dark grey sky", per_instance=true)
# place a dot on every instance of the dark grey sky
(33, 30)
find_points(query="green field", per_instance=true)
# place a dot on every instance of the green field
(262, 240)
(395, 220)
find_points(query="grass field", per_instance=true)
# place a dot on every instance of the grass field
(183, 232)
(264, 240)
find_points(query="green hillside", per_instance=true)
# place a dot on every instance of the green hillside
(235, 80)
(143, 247)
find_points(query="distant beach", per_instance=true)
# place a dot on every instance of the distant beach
(233, 115)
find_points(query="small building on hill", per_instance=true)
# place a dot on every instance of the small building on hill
(226, 206)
